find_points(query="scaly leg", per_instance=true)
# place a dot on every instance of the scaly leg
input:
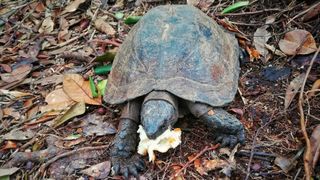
(226, 128)
(124, 157)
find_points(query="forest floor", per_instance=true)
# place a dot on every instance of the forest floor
(52, 127)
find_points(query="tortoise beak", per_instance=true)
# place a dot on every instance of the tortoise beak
(152, 132)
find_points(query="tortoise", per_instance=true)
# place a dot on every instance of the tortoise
(176, 59)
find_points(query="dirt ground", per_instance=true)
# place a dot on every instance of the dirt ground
(273, 132)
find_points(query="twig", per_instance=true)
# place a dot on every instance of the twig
(69, 41)
(106, 41)
(45, 165)
(303, 12)
(253, 145)
(207, 148)
(307, 155)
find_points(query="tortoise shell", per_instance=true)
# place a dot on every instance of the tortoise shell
(179, 49)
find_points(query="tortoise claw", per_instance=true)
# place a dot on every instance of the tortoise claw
(128, 166)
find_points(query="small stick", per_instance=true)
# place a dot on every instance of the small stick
(207, 148)
(106, 41)
(248, 13)
(307, 155)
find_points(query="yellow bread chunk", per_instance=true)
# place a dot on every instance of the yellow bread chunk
(168, 139)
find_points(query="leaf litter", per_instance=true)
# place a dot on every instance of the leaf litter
(34, 66)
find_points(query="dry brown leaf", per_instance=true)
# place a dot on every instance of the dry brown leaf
(175, 170)
(312, 13)
(99, 171)
(54, 79)
(214, 164)
(47, 25)
(76, 110)
(253, 53)
(260, 38)
(73, 6)
(291, 44)
(17, 74)
(315, 87)
(57, 101)
(293, 89)
(40, 7)
(78, 89)
(32, 112)
(104, 26)
(6, 68)
(9, 145)
(13, 94)
(11, 112)
(315, 145)
(64, 32)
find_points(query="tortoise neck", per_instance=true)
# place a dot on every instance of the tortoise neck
(162, 95)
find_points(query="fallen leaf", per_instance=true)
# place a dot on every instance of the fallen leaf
(6, 68)
(315, 145)
(102, 86)
(312, 13)
(73, 6)
(132, 19)
(18, 135)
(11, 112)
(174, 175)
(14, 94)
(197, 164)
(293, 89)
(40, 7)
(286, 164)
(72, 143)
(274, 50)
(104, 26)
(237, 111)
(46, 26)
(94, 125)
(8, 172)
(57, 101)
(31, 113)
(315, 88)
(63, 34)
(9, 145)
(17, 74)
(76, 110)
(98, 171)
(298, 42)
(260, 38)
(253, 53)
(78, 89)
(54, 79)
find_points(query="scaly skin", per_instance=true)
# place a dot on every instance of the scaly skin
(124, 158)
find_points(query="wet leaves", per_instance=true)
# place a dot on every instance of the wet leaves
(298, 42)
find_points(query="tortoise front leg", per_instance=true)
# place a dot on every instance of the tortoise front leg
(226, 128)
(124, 158)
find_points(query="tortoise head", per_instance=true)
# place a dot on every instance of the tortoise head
(157, 116)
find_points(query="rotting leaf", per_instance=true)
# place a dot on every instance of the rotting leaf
(57, 101)
(76, 110)
(14, 94)
(47, 25)
(17, 74)
(315, 87)
(73, 6)
(18, 135)
(104, 26)
(315, 145)
(235, 7)
(7, 172)
(298, 42)
(98, 171)
(260, 38)
(293, 89)
(78, 89)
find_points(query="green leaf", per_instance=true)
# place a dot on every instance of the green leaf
(235, 6)
(132, 19)
(103, 70)
(76, 110)
(119, 15)
(93, 88)
(102, 86)
(108, 56)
